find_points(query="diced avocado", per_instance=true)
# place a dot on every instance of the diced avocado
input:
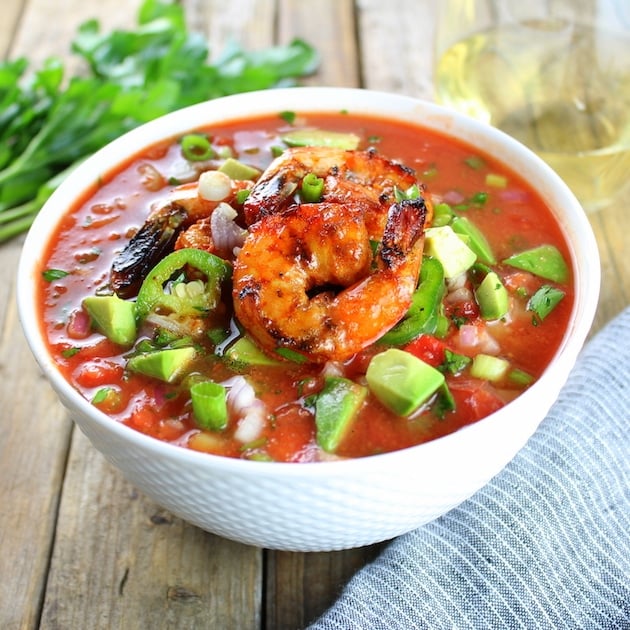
(476, 240)
(492, 297)
(544, 261)
(114, 317)
(336, 407)
(244, 350)
(445, 245)
(402, 381)
(489, 368)
(167, 365)
(320, 138)
(235, 169)
(545, 300)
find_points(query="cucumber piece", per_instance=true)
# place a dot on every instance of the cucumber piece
(476, 240)
(336, 407)
(114, 317)
(166, 365)
(445, 245)
(235, 169)
(244, 350)
(401, 381)
(492, 297)
(544, 261)
(488, 367)
(320, 138)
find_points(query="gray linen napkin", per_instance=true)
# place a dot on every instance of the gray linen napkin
(546, 544)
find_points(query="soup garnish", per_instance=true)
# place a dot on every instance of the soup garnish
(332, 286)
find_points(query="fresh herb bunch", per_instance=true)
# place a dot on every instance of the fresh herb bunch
(48, 124)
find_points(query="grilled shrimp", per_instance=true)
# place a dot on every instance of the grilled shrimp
(349, 176)
(307, 279)
(165, 229)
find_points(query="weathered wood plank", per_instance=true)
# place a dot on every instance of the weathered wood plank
(396, 45)
(11, 10)
(151, 570)
(120, 561)
(248, 23)
(33, 450)
(329, 26)
(302, 586)
(35, 429)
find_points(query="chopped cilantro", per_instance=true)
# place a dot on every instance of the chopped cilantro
(50, 275)
(288, 117)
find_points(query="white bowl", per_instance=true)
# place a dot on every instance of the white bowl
(332, 505)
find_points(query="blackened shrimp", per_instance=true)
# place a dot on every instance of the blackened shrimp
(185, 208)
(349, 176)
(307, 279)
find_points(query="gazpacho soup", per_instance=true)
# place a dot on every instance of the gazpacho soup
(305, 287)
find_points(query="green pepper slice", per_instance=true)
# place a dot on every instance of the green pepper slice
(424, 313)
(184, 302)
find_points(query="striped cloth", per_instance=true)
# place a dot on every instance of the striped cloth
(546, 544)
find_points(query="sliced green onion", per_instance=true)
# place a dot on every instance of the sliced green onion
(291, 355)
(520, 377)
(475, 162)
(442, 214)
(413, 192)
(209, 403)
(242, 195)
(312, 188)
(197, 148)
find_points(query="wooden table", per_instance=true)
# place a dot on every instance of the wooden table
(80, 547)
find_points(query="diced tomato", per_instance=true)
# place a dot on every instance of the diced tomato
(143, 419)
(430, 349)
(97, 373)
(467, 309)
(474, 399)
(112, 400)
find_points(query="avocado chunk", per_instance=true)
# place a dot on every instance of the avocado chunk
(166, 365)
(445, 245)
(235, 169)
(401, 381)
(336, 407)
(320, 138)
(545, 261)
(476, 240)
(114, 317)
(244, 350)
(492, 297)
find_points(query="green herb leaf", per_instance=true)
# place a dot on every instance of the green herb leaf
(50, 275)
(453, 362)
(48, 124)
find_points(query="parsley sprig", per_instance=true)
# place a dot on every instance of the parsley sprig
(49, 123)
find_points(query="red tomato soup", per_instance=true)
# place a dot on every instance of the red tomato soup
(305, 287)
